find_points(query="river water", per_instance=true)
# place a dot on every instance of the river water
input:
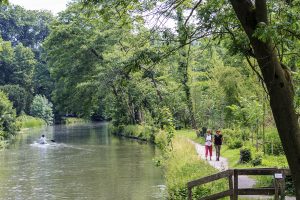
(84, 163)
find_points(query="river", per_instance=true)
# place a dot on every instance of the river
(85, 163)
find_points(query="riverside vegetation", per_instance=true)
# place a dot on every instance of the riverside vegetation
(104, 60)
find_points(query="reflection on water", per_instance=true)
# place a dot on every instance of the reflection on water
(84, 163)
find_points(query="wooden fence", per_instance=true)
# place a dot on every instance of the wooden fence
(233, 191)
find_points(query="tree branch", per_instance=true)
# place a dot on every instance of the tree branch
(192, 11)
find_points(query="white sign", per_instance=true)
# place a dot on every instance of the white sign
(278, 175)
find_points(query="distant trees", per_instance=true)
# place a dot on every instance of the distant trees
(42, 108)
(23, 72)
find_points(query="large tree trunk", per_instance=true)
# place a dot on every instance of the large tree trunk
(277, 80)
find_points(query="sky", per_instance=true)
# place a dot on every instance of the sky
(54, 6)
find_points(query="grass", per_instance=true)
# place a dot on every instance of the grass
(73, 120)
(26, 121)
(233, 156)
(142, 132)
(183, 165)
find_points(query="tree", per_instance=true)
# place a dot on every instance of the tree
(17, 95)
(254, 17)
(26, 30)
(183, 67)
(216, 17)
(24, 26)
(42, 108)
(7, 117)
(23, 67)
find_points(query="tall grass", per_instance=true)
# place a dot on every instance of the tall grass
(26, 121)
(183, 165)
(143, 132)
(73, 120)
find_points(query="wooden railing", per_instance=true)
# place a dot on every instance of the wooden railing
(233, 191)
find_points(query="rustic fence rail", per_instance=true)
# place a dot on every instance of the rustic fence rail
(233, 191)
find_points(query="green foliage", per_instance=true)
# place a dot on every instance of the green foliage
(42, 108)
(257, 160)
(26, 121)
(139, 131)
(273, 144)
(23, 32)
(29, 27)
(245, 155)
(234, 143)
(8, 125)
(73, 120)
(182, 166)
(143, 132)
(18, 96)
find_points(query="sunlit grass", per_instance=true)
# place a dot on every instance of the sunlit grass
(183, 165)
(73, 120)
(26, 121)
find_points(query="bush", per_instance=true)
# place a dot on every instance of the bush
(42, 108)
(26, 121)
(8, 124)
(273, 146)
(245, 155)
(289, 186)
(161, 139)
(138, 131)
(232, 133)
(234, 144)
(257, 160)
(73, 120)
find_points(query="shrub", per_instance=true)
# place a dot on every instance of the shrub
(257, 160)
(161, 139)
(8, 124)
(289, 186)
(42, 108)
(232, 133)
(245, 155)
(139, 131)
(273, 146)
(73, 120)
(26, 121)
(234, 144)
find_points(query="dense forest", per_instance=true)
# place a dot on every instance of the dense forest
(180, 64)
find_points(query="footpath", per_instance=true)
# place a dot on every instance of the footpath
(244, 181)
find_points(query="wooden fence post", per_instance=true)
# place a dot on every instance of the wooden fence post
(189, 193)
(231, 187)
(236, 184)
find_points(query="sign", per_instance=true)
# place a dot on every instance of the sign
(278, 175)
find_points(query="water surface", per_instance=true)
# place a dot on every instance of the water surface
(85, 163)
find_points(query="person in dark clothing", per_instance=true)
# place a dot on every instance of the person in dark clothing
(218, 140)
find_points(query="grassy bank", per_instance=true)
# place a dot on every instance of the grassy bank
(141, 132)
(233, 155)
(258, 159)
(182, 165)
(73, 120)
(26, 121)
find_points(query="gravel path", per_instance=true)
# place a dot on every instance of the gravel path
(244, 181)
